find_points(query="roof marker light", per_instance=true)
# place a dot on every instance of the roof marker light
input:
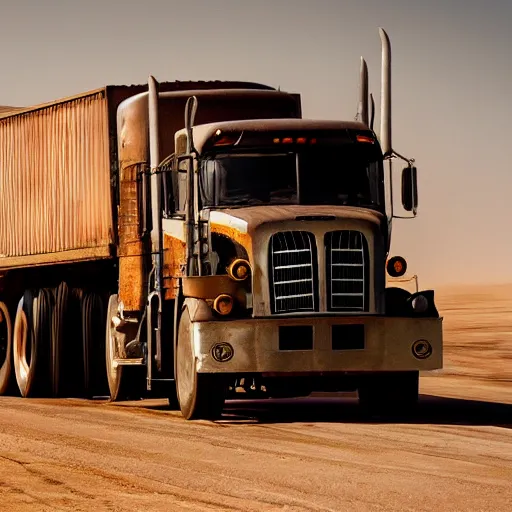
(364, 138)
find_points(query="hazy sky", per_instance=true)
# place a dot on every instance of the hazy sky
(452, 88)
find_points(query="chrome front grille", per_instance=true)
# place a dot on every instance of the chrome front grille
(347, 271)
(293, 262)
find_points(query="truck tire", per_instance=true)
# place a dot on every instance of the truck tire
(389, 394)
(66, 351)
(93, 320)
(200, 395)
(58, 337)
(6, 371)
(124, 382)
(31, 343)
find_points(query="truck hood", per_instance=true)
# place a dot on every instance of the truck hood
(247, 220)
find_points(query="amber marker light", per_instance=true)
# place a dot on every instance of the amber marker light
(291, 140)
(396, 266)
(239, 270)
(223, 304)
(364, 138)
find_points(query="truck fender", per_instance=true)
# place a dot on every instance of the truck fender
(199, 311)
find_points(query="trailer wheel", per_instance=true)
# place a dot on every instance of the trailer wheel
(93, 320)
(58, 336)
(393, 393)
(200, 395)
(124, 382)
(66, 367)
(6, 373)
(31, 343)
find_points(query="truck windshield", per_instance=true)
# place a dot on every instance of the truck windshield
(325, 176)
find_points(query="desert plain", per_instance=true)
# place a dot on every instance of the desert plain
(312, 454)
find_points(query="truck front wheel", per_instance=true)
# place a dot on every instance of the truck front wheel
(200, 395)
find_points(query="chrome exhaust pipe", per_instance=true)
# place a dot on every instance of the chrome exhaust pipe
(362, 107)
(154, 161)
(385, 99)
(192, 208)
(156, 226)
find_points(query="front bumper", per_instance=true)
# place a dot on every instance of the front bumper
(256, 345)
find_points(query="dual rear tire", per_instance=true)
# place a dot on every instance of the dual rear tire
(50, 347)
(7, 383)
(32, 343)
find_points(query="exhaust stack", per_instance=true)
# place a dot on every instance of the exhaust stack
(192, 204)
(385, 99)
(362, 107)
(154, 159)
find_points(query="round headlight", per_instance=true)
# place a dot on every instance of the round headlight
(419, 304)
(421, 349)
(239, 270)
(223, 304)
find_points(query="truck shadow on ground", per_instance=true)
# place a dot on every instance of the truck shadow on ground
(431, 410)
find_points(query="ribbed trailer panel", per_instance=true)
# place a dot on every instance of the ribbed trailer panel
(55, 194)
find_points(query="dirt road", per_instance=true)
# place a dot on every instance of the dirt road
(307, 454)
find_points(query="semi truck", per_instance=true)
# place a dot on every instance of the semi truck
(201, 241)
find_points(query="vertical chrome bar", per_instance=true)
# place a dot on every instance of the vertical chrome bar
(362, 108)
(156, 215)
(190, 224)
(154, 155)
(385, 100)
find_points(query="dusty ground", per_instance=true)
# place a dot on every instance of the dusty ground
(308, 454)
(478, 343)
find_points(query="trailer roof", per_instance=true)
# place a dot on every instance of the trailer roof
(5, 110)
(135, 89)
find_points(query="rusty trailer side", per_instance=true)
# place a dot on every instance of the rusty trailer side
(55, 198)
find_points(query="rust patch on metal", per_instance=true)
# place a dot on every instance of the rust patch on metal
(131, 276)
(174, 259)
(132, 286)
(55, 193)
(244, 239)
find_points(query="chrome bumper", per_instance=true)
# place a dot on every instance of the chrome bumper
(254, 345)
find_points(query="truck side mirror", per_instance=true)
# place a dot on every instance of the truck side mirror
(410, 189)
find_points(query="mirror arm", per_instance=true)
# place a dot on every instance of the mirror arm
(394, 154)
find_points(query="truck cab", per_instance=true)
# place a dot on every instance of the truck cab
(284, 288)
(264, 243)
